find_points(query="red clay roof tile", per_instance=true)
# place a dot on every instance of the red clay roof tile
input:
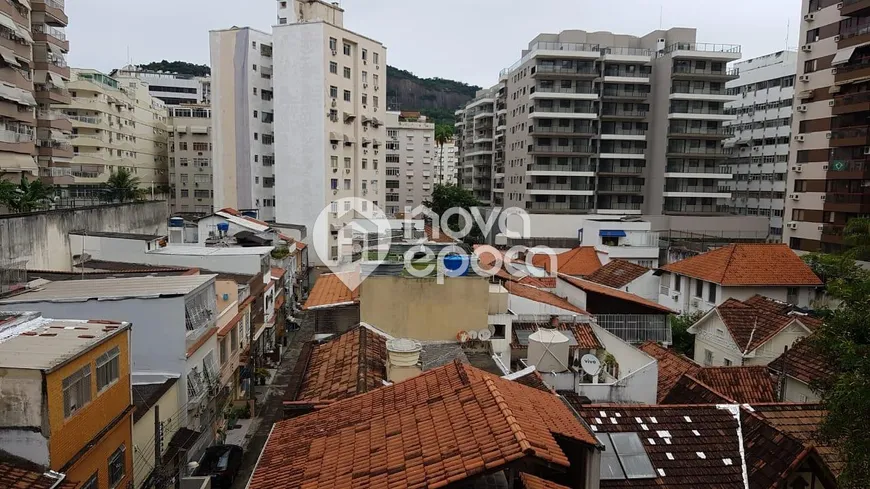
(542, 296)
(580, 261)
(747, 264)
(802, 422)
(595, 288)
(689, 390)
(671, 366)
(533, 482)
(581, 331)
(802, 362)
(330, 291)
(346, 365)
(617, 273)
(751, 326)
(24, 475)
(742, 384)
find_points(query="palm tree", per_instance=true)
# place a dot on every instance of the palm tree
(857, 235)
(26, 196)
(443, 133)
(123, 186)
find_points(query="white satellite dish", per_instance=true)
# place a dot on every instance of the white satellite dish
(472, 333)
(590, 364)
(484, 335)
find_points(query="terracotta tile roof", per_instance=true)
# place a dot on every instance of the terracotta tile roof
(671, 366)
(25, 475)
(774, 306)
(330, 291)
(542, 296)
(801, 362)
(580, 261)
(689, 390)
(802, 422)
(346, 365)
(617, 274)
(582, 333)
(442, 237)
(278, 272)
(668, 434)
(443, 426)
(742, 384)
(750, 327)
(770, 453)
(300, 245)
(747, 264)
(534, 380)
(595, 288)
(533, 482)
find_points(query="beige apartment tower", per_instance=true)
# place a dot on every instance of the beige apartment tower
(409, 161)
(604, 123)
(190, 160)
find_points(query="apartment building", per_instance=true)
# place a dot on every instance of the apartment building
(445, 162)
(331, 88)
(828, 172)
(66, 396)
(115, 124)
(242, 129)
(190, 160)
(171, 88)
(760, 135)
(480, 131)
(34, 71)
(611, 124)
(409, 161)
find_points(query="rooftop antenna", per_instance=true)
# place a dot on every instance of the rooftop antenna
(787, 32)
(661, 14)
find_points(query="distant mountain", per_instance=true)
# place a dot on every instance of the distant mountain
(180, 67)
(437, 98)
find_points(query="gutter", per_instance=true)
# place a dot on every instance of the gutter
(260, 457)
(55, 475)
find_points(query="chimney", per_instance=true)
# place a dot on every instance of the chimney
(403, 359)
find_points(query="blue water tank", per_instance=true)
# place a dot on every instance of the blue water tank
(456, 265)
(223, 227)
(176, 222)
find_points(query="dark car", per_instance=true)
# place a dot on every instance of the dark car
(221, 463)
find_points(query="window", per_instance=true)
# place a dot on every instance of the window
(624, 457)
(333, 160)
(347, 95)
(333, 67)
(182, 146)
(791, 295)
(365, 99)
(93, 482)
(365, 76)
(347, 184)
(711, 293)
(333, 91)
(76, 391)
(333, 43)
(728, 362)
(347, 163)
(108, 368)
(375, 99)
(376, 58)
(678, 282)
(347, 49)
(333, 184)
(117, 466)
(256, 114)
(234, 339)
(223, 351)
(708, 358)
(699, 288)
(255, 67)
(347, 72)
(365, 54)
(498, 331)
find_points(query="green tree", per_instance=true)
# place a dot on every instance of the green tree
(835, 268)
(844, 343)
(26, 196)
(443, 133)
(684, 342)
(857, 236)
(446, 197)
(123, 186)
(180, 67)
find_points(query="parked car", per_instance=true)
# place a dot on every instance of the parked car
(221, 463)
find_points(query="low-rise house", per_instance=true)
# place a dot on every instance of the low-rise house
(526, 299)
(749, 332)
(628, 277)
(797, 370)
(334, 305)
(65, 396)
(737, 271)
(577, 262)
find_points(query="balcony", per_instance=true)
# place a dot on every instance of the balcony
(559, 207)
(620, 113)
(584, 130)
(617, 133)
(619, 206)
(616, 188)
(16, 142)
(698, 152)
(855, 68)
(854, 7)
(555, 112)
(848, 170)
(579, 72)
(853, 35)
(620, 169)
(858, 203)
(555, 167)
(576, 188)
(54, 148)
(54, 119)
(852, 102)
(46, 94)
(684, 72)
(675, 188)
(624, 94)
(707, 171)
(576, 149)
(580, 93)
(53, 35)
(703, 113)
(855, 136)
(703, 132)
(55, 64)
(680, 206)
(53, 11)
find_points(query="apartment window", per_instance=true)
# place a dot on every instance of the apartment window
(255, 67)
(347, 184)
(375, 79)
(347, 72)
(711, 293)
(76, 391)
(365, 77)
(376, 58)
(678, 282)
(347, 95)
(256, 114)
(234, 339)
(333, 43)
(93, 482)
(364, 163)
(333, 91)
(333, 161)
(347, 49)
(108, 368)
(223, 351)
(810, 66)
(365, 54)
(699, 289)
(728, 362)
(333, 67)
(333, 184)
(812, 35)
(791, 295)
(375, 100)
(708, 358)
(185, 193)
(365, 99)
(182, 146)
(117, 466)
(347, 163)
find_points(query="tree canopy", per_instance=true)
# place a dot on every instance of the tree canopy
(27, 196)
(123, 186)
(445, 197)
(180, 67)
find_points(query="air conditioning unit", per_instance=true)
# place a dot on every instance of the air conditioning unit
(822, 197)
(810, 17)
(334, 52)
(347, 170)
(797, 168)
(837, 38)
(799, 138)
(833, 71)
(794, 196)
(675, 297)
(840, 6)
(376, 151)
(830, 103)
(825, 167)
(866, 150)
(792, 225)
(804, 78)
(376, 88)
(801, 108)
(365, 151)
(335, 170)
(821, 227)
(365, 85)
(334, 192)
(365, 191)
(835, 89)
(376, 109)
(334, 103)
(365, 62)
(334, 146)
(828, 135)
(807, 48)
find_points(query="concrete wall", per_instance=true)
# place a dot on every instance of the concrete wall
(777, 345)
(423, 310)
(143, 433)
(797, 391)
(646, 286)
(712, 335)
(23, 412)
(686, 299)
(734, 226)
(638, 373)
(43, 237)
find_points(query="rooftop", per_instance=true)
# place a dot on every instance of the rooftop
(617, 274)
(330, 291)
(594, 288)
(29, 341)
(542, 296)
(581, 334)
(112, 289)
(131, 236)
(17, 473)
(578, 262)
(802, 422)
(751, 323)
(444, 426)
(746, 264)
(145, 396)
(742, 384)
(212, 251)
(671, 366)
(802, 362)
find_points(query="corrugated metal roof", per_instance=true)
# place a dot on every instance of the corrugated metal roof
(112, 289)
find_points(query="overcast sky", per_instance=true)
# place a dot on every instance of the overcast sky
(466, 40)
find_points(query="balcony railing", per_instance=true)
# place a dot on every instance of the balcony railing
(622, 151)
(671, 206)
(625, 94)
(849, 133)
(854, 30)
(578, 167)
(852, 98)
(832, 230)
(619, 188)
(564, 130)
(623, 113)
(855, 64)
(565, 46)
(846, 198)
(86, 174)
(627, 51)
(554, 89)
(637, 328)
(623, 132)
(620, 206)
(581, 70)
(693, 169)
(604, 168)
(699, 91)
(627, 74)
(703, 189)
(695, 110)
(703, 46)
(701, 131)
(49, 30)
(559, 206)
(558, 186)
(566, 110)
(54, 144)
(50, 115)
(41, 87)
(848, 165)
(582, 148)
(690, 70)
(696, 151)
(8, 136)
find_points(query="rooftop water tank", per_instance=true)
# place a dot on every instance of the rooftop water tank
(548, 350)
(176, 222)
(456, 265)
(403, 352)
(223, 227)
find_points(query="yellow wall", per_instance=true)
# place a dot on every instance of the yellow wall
(143, 432)
(422, 309)
(97, 459)
(230, 288)
(69, 436)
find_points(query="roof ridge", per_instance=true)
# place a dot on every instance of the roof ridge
(505, 410)
(733, 247)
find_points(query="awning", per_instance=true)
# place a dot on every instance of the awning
(18, 162)
(56, 80)
(805, 94)
(376, 143)
(743, 142)
(54, 49)
(181, 129)
(348, 139)
(843, 56)
(364, 120)
(611, 233)
(348, 116)
(24, 33)
(365, 142)
(375, 121)
(9, 57)
(198, 130)
(8, 23)
(333, 136)
(24, 3)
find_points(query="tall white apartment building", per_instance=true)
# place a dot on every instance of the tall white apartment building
(330, 94)
(760, 136)
(171, 88)
(242, 115)
(596, 122)
(409, 161)
(445, 162)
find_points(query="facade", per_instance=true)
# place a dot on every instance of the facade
(191, 181)
(34, 72)
(66, 396)
(609, 124)
(331, 94)
(116, 124)
(480, 140)
(243, 136)
(445, 162)
(829, 169)
(171, 88)
(760, 136)
(409, 158)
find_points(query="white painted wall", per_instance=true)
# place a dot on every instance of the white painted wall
(522, 306)
(797, 391)
(638, 380)
(646, 286)
(686, 300)
(143, 433)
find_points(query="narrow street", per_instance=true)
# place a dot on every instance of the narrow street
(271, 409)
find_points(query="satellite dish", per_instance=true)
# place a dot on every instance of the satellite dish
(491, 329)
(472, 333)
(590, 364)
(462, 336)
(484, 335)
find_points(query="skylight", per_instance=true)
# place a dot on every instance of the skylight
(624, 457)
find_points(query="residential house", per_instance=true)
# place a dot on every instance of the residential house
(737, 271)
(577, 262)
(153, 403)
(19, 473)
(515, 429)
(334, 305)
(798, 368)
(526, 299)
(65, 397)
(628, 277)
(724, 446)
(749, 332)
